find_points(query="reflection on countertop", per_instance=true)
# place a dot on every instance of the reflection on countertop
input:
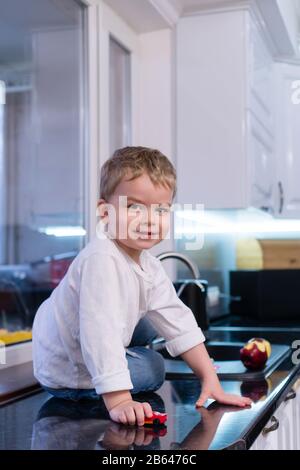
(61, 426)
(42, 422)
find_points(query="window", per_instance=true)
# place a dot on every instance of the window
(119, 95)
(42, 150)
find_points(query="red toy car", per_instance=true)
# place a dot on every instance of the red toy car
(157, 419)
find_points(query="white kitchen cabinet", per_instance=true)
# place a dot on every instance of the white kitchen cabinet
(262, 180)
(282, 432)
(260, 129)
(268, 441)
(225, 125)
(287, 140)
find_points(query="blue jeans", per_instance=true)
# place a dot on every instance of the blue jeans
(146, 367)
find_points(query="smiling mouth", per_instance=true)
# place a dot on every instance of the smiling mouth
(148, 234)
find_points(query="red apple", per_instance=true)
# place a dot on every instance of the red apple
(266, 343)
(254, 355)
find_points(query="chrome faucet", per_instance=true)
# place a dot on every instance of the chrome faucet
(189, 263)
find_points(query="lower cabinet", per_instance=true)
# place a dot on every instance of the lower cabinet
(282, 432)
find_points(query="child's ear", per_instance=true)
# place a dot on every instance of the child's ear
(102, 211)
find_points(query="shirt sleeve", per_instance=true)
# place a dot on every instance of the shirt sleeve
(172, 318)
(101, 322)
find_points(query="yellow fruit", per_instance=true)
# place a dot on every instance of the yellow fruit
(10, 337)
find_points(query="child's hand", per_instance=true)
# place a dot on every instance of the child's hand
(215, 391)
(131, 412)
(199, 361)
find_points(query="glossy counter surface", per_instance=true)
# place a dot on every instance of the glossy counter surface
(41, 422)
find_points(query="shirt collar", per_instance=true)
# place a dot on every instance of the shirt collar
(143, 270)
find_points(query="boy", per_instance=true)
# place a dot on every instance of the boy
(90, 335)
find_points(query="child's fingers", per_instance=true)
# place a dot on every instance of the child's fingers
(230, 399)
(122, 418)
(130, 415)
(140, 415)
(147, 409)
(202, 399)
(247, 400)
(243, 401)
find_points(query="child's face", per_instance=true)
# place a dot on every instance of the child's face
(142, 219)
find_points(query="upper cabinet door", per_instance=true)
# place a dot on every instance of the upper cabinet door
(263, 170)
(288, 140)
(260, 68)
(237, 136)
(211, 103)
(225, 129)
(260, 119)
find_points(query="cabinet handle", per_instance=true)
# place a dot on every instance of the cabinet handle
(281, 196)
(273, 426)
(290, 396)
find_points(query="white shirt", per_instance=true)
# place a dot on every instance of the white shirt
(80, 333)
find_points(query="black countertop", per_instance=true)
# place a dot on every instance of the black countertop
(41, 422)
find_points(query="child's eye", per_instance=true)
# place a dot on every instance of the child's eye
(135, 207)
(162, 210)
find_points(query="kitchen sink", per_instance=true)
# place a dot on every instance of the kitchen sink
(219, 351)
(226, 357)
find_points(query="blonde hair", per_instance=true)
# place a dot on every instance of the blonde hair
(134, 161)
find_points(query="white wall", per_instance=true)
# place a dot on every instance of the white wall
(156, 110)
(155, 101)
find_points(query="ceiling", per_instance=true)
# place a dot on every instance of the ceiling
(141, 15)
(134, 10)
(290, 10)
(149, 15)
(17, 24)
(188, 6)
